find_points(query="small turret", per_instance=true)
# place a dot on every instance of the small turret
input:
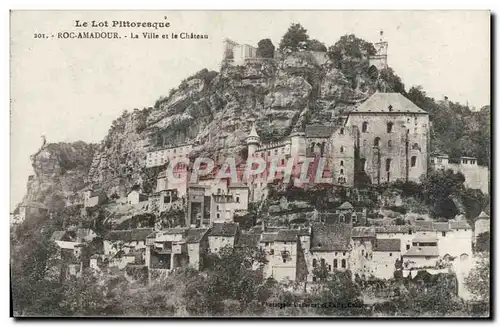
(253, 141)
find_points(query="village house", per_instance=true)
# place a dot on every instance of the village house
(363, 240)
(346, 213)
(385, 254)
(424, 253)
(285, 256)
(134, 197)
(221, 235)
(126, 240)
(330, 248)
(198, 206)
(93, 198)
(177, 247)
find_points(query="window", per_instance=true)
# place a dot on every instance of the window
(341, 218)
(407, 246)
(315, 263)
(314, 279)
(271, 251)
(217, 207)
(354, 218)
(282, 161)
(415, 146)
(341, 131)
(387, 164)
(336, 253)
(322, 263)
(362, 252)
(410, 232)
(376, 141)
(341, 162)
(276, 151)
(342, 172)
(443, 233)
(390, 107)
(237, 199)
(341, 149)
(343, 263)
(364, 128)
(335, 263)
(218, 191)
(389, 127)
(343, 253)
(363, 164)
(413, 161)
(389, 144)
(266, 243)
(390, 254)
(329, 267)
(218, 215)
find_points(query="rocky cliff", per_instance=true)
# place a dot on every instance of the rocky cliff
(215, 110)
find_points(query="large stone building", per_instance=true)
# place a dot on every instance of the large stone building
(392, 138)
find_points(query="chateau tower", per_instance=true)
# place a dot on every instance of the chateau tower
(253, 141)
(298, 143)
(379, 60)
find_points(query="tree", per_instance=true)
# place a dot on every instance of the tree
(478, 280)
(315, 45)
(265, 48)
(350, 47)
(483, 242)
(295, 38)
(440, 188)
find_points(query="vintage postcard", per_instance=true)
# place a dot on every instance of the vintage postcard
(250, 163)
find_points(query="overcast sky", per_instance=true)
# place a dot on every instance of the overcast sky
(72, 90)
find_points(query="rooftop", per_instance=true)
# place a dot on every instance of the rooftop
(388, 245)
(363, 232)
(287, 235)
(224, 229)
(268, 237)
(330, 237)
(425, 239)
(422, 251)
(194, 235)
(483, 215)
(128, 235)
(346, 206)
(388, 102)
(248, 240)
(319, 131)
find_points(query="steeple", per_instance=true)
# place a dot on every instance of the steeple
(253, 141)
(253, 132)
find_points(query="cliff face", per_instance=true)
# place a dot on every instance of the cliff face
(216, 111)
(60, 171)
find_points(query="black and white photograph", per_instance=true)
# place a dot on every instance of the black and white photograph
(250, 163)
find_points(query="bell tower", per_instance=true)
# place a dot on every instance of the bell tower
(253, 141)
(379, 60)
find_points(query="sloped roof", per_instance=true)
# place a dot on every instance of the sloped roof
(459, 225)
(268, 237)
(253, 132)
(58, 235)
(422, 251)
(425, 239)
(425, 224)
(380, 102)
(128, 235)
(194, 235)
(387, 245)
(346, 206)
(248, 240)
(224, 229)
(362, 231)
(483, 215)
(330, 237)
(287, 235)
(319, 131)
(441, 226)
(393, 229)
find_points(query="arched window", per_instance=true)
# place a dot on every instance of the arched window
(341, 131)
(413, 161)
(364, 127)
(363, 164)
(387, 164)
(341, 162)
(389, 127)
(322, 263)
(389, 144)
(342, 172)
(315, 263)
(335, 264)
(237, 199)
(341, 149)
(343, 263)
(376, 142)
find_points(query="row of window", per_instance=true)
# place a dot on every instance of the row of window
(364, 127)
(388, 161)
(343, 263)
